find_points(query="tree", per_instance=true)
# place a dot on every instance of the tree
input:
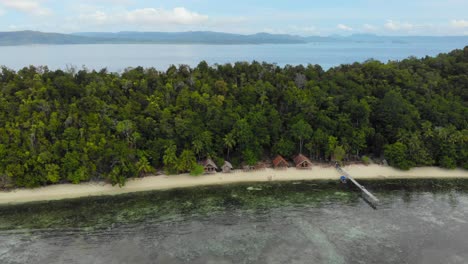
(417, 150)
(229, 142)
(81, 174)
(396, 155)
(4, 180)
(77, 125)
(125, 128)
(72, 168)
(249, 157)
(447, 162)
(358, 141)
(53, 172)
(244, 135)
(197, 170)
(284, 147)
(339, 153)
(301, 131)
(116, 176)
(394, 113)
(332, 144)
(187, 161)
(143, 166)
(197, 145)
(170, 159)
(202, 143)
(318, 144)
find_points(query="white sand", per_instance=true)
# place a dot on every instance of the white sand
(66, 191)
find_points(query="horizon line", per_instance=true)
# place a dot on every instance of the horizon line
(231, 33)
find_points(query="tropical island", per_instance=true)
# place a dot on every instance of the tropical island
(78, 125)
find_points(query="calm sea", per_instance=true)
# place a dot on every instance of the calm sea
(160, 56)
(303, 222)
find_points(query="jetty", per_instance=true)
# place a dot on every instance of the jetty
(346, 175)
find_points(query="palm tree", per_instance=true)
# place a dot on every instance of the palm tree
(197, 147)
(229, 142)
(143, 166)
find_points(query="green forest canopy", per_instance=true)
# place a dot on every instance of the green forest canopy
(78, 125)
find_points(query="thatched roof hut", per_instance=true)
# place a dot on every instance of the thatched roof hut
(302, 162)
(209, 166)
(280, 162)
(227, 167)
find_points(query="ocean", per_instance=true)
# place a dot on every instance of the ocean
(417, 221)
(117, 57)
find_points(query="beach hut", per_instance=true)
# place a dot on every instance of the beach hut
(280, 163)
(227, 167)
(302, 162)
(209, 166)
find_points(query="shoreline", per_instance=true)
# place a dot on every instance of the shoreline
(165, 182)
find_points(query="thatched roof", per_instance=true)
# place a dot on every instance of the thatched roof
(299, 159)
(228, 165)
(209, 162)
(280, 162)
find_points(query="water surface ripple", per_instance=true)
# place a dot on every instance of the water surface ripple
(282, 223)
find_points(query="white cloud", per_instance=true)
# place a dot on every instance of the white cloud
(118, 2)
(369, 28)
(307, 30)
(147, 17)
(398, 26)
(27, 6)
(344, 27)
(2, 12)
(178, 15)
(97, 17)
(459, 23)
(229, 20)
(273, 31)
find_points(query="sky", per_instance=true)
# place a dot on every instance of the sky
(298, 17)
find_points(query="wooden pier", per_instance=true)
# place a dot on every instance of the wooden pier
(362, 188)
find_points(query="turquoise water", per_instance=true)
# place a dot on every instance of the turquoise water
(300, 222)
(161, 56)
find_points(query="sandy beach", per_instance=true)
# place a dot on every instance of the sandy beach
(164, 182)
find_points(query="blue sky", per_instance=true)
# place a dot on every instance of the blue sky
(301, 17)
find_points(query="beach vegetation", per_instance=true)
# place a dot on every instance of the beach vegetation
(79, 125)
(143, 166)
(186, 161)
(339, 153)
(366, 160)
(197, 170)
(170, 159)
(396, 155)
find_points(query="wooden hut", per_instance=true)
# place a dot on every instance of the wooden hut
(227, 167)
(302, 162)
(209, 166)
(280, 163)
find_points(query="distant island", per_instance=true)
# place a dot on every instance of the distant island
(28, 37)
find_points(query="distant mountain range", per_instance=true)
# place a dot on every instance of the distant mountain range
(194, 37)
